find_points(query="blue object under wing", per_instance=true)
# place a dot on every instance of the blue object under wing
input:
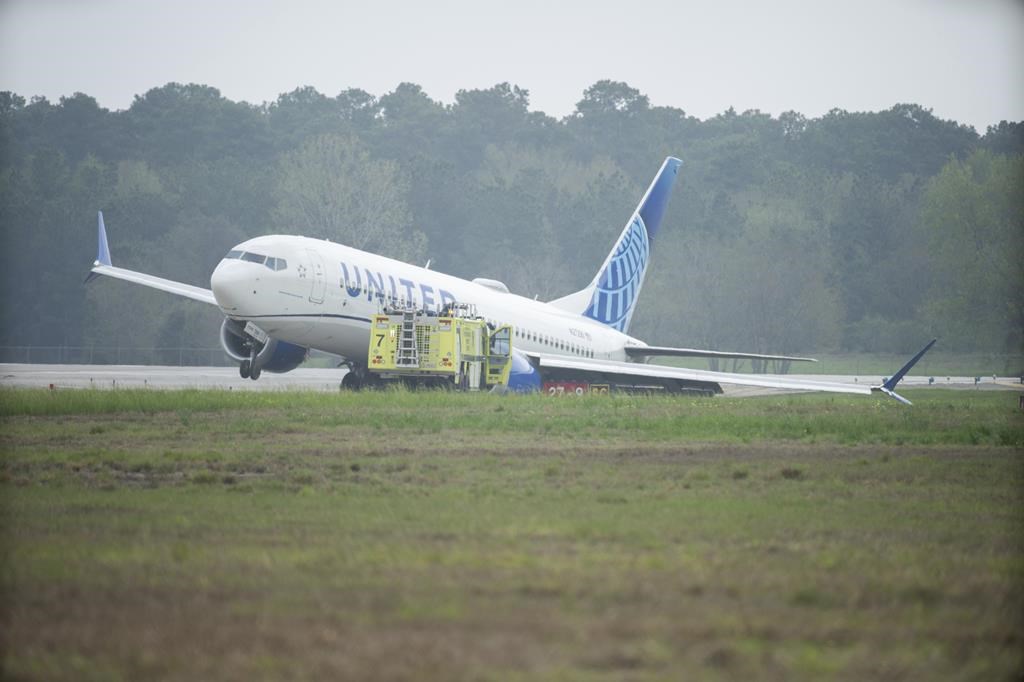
(524, 377)
(285, 357)
(653, 207)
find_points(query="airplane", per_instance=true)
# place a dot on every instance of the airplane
(282, 295)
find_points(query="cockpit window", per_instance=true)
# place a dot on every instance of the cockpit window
(269, 261)
(254, 257)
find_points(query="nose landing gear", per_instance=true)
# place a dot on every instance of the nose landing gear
(248, 369)
(254, 369)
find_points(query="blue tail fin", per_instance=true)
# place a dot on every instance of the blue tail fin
(611, 297)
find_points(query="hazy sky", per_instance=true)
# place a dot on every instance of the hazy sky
(962, 58)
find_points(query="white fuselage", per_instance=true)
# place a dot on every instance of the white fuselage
(323, 296)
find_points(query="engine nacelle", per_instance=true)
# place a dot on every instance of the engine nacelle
(524, 377)
(273, 356)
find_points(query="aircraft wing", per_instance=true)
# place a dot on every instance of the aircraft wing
(610, 369)
(170, 286)
(103, 266)
(559, 366)
(666, 351)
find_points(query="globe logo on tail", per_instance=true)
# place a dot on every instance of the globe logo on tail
(618, 284)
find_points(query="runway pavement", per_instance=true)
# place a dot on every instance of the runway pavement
(312, 379)
(164, 377)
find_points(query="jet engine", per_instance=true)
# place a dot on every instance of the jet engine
(524, 377)
(253, 356)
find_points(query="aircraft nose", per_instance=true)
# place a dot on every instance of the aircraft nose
(230, 282)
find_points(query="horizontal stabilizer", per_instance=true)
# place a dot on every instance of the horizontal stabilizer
(665, 351)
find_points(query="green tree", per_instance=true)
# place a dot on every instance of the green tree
(179, 122)
(1006, 138)
(907, 138)
(332, 188)
(973, 213)
(408, 121)
(555, 217)
(494, 116)
(875, 252)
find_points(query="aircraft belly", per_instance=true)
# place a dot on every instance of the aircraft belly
(292, 330)
(345, 336)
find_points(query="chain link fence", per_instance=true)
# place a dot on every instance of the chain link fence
(107, 355)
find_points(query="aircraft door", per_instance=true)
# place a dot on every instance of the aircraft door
(317, 286)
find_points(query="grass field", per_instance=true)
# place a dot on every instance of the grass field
(432, 536)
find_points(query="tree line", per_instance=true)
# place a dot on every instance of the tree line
(864, 231)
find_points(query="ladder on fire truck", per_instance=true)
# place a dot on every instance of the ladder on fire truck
(408, 352)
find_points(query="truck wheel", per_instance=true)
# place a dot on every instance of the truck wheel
(350, 382)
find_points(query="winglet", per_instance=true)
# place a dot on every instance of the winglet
(888, 387)
(103, 250)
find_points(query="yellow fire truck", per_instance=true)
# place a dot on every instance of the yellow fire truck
(453, 348)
